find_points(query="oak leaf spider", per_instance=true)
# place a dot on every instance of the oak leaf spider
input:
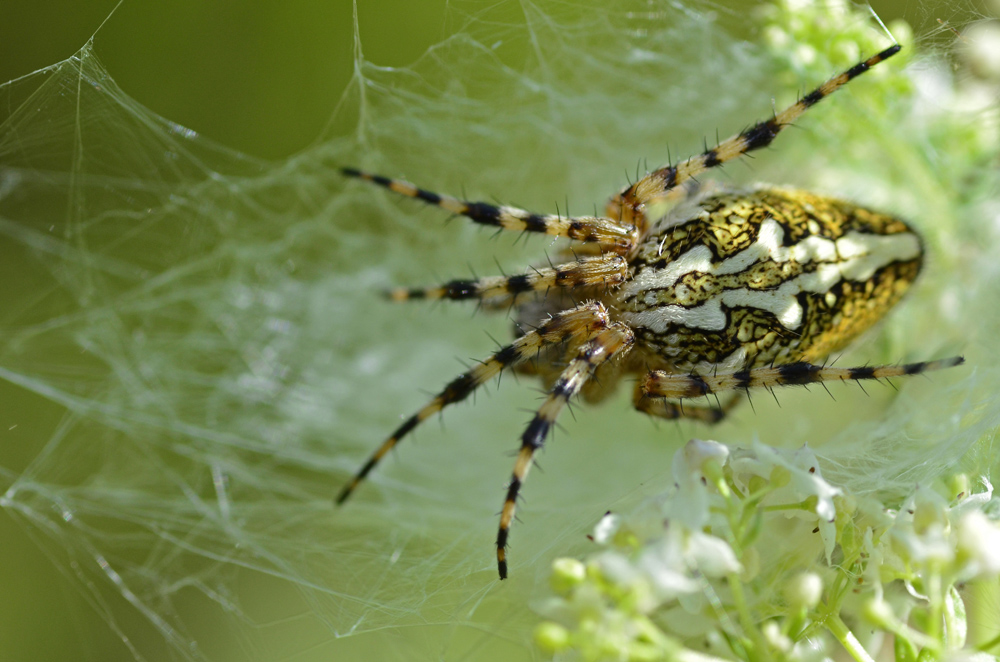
(749, 289)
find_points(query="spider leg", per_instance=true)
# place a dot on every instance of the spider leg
(574, 326)
(661, 384)
(662, 408)
(658, 184)
(607, 233)
(630, 213)
(605, 270)
(602, 345)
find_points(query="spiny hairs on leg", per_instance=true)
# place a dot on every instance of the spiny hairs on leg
(607, 270)
(574, 326)
(658, 184)
(660, 407)
(661, 384)
(607, 233)
(612, 341)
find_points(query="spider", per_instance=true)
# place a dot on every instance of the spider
(723, 292)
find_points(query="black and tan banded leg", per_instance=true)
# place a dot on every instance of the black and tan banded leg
(608, 343)
(661, 183)
(661, 384)
(573, 326)
(605, 232)
(607, 270)
(661, 407)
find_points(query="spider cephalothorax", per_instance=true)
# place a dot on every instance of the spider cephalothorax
(727, 292)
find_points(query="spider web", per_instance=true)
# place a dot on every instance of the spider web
(205, 331)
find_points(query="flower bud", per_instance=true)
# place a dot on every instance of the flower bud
(566, 574)
(803, 591)
(552, 638)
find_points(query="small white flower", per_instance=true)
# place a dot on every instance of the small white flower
(974, 502)
(978, 545)
(696, 453)
(921, 532)
(606, 528)
(668, 577)
(772, 633)
(675, 563)
(805, 481)
(931, 546)
(711, 556)
(690, 505)
(616, 568)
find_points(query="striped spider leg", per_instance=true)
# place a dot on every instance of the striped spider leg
(654, 404)
(612, 341)
(735, 290)
(666, 183)
(572, 328)
(661, 384)
(606, 271)
(607, 233)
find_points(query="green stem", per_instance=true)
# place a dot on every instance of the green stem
(847, 639)
(936, 607)
(750, 628)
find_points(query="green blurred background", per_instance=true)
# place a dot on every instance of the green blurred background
(261, 78)
(258, 77)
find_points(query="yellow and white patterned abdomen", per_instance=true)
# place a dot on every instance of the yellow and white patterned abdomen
(770, 275)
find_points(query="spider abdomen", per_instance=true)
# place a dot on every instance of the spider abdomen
(770, 275)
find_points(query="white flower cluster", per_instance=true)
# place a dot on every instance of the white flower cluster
(755, 556)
